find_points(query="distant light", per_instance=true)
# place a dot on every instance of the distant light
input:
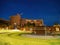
(15, 30)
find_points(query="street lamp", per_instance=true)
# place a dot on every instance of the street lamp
(45, 32)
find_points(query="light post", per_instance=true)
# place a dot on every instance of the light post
(45, 32)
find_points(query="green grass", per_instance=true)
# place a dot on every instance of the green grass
(15, 38)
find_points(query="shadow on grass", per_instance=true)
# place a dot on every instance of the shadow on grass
(4, 43)
(17, 34)
(55, 43)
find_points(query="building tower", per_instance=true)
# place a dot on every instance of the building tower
(15, 20)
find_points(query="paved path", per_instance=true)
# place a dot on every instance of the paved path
(41, 36)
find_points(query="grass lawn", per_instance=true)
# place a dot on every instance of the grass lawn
(15, 38)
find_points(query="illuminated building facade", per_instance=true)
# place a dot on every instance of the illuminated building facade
(15, 19)
(20, 21)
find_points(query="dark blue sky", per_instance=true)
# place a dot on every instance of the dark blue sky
(48, 10)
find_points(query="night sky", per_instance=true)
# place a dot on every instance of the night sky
(48, 10)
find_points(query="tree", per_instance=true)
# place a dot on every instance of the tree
(33, 24)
